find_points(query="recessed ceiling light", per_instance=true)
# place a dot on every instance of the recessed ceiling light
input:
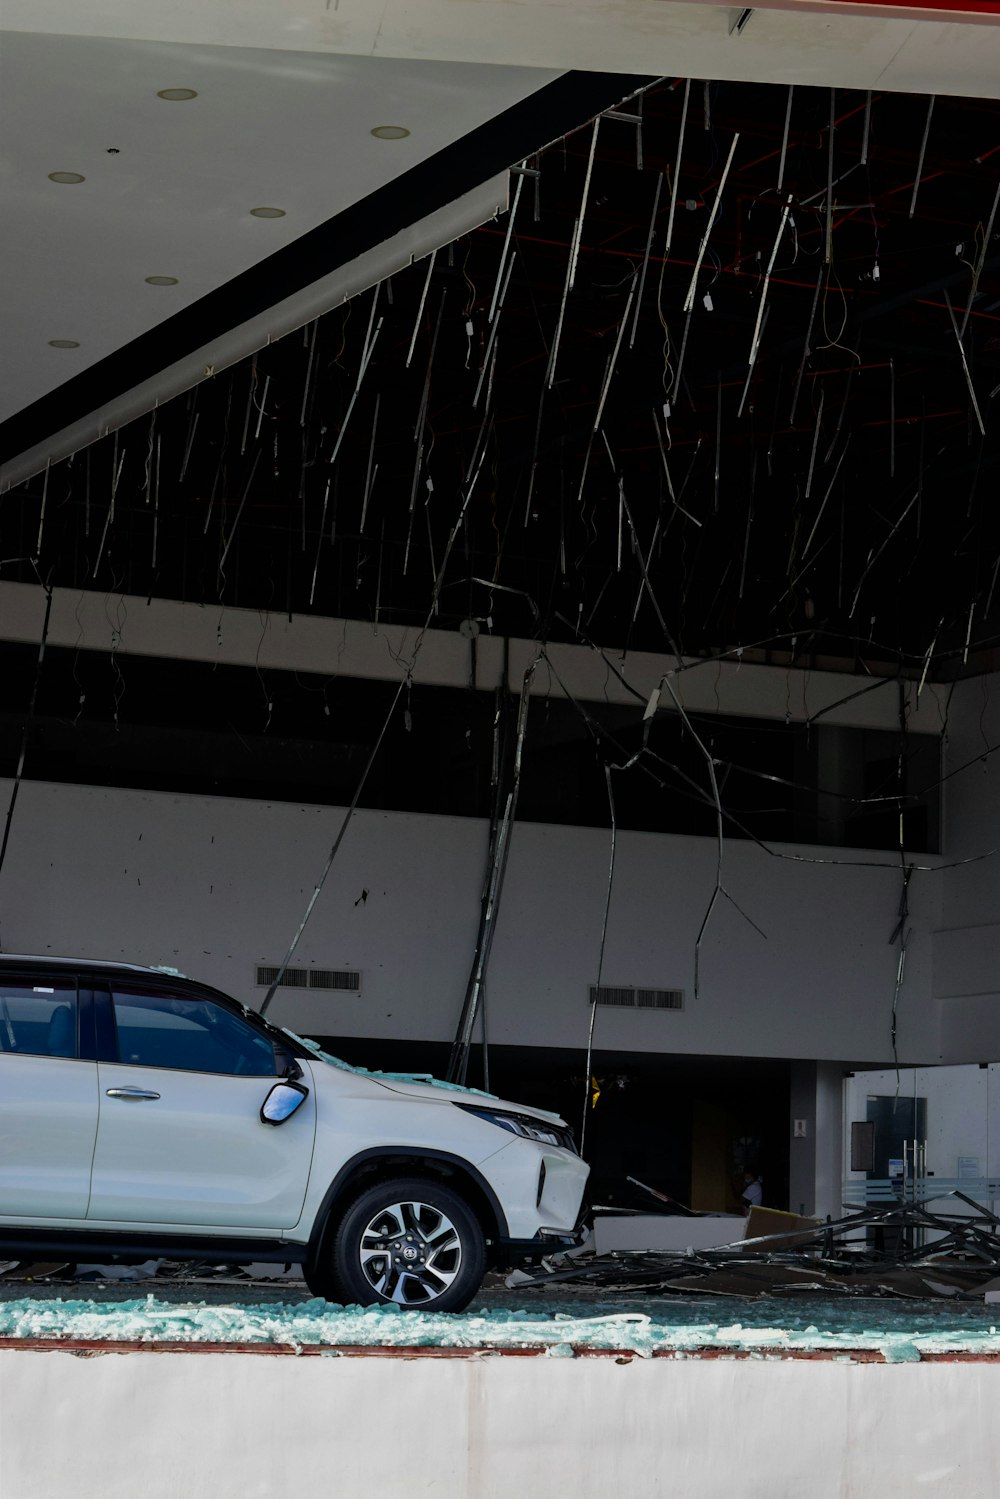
(268, 213)
(175, 94)
(390, 132)
(63, 343)
(161, 280)
(66, 177)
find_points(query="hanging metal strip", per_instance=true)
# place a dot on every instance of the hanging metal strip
(550, 373)
(575, 253)
(677, 170)
(755, 340)
(784, 139)
(965, 364)
(920, 159)
(980, 261)
(420, 308)
(805, 347)
(689, 299)
(645, 259)
(506, 247)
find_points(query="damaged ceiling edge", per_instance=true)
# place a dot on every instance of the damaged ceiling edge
(411, 244)
(144, 373)
(171, 629)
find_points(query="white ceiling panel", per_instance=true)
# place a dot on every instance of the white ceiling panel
(169, 186)
(846, 45)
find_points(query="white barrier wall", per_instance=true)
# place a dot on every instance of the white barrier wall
(214, 886)
(170, 1426)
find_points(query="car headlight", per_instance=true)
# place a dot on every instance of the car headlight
(525, 1125)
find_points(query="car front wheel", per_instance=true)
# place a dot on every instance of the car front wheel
(410, 1241)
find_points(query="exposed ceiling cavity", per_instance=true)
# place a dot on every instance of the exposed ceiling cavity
(723, 379)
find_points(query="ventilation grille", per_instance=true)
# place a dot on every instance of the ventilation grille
(637, 999)
(347, 979)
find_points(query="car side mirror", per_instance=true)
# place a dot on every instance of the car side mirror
(282, 1101)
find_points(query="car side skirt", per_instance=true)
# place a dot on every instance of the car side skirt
(122, 1248)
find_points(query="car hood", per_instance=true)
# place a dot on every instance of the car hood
(433, 1090)
(422, 1085)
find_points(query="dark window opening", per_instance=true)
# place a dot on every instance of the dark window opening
(185, 726)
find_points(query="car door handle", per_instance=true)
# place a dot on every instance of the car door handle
(127, 1093)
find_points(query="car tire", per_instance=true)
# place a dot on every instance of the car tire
(408, 1240)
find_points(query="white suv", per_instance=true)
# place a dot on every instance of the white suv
(145, 1115)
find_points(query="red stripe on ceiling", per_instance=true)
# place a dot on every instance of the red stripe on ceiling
(977, 8)
(946, 9)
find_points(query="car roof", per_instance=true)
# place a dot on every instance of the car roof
(102, 963)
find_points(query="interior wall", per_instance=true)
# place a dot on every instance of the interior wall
(213, 886)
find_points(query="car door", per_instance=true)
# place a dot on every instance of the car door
(48, 1098)
(180, 1137)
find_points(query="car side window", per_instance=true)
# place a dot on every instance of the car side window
(39, 1016)
(159, 1029)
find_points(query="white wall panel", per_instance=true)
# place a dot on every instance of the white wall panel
(214, 885)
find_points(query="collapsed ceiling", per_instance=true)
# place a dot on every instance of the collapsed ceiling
(723, 378)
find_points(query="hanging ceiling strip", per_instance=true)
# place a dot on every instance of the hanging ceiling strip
(987, 237)
(534, 457)
(965, 364)
(840, 415)
(805, 346)
(550, 373)
(718, 444)
(246, 416)
(755, 340)
(365, 361)
(670, 487)
(371, 471)
(420, 308)
(968, 633)
(493, 332)
(928, 656)
(319, 542)
(677, 170)
(41, 513)
(187, 450)
(815, 444)
(873, 556)
(309, 373)
(689, 299)
(575, 252)
(612, 362)
(156, 505)
(746, 537)
(645, 258)
(675, 385)
(828, 251)
(784, 139)
(644, 568)
(867, 128)
(261, 408)
(923, 151)
(829, 491)
(239, 512)
(506, 247)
